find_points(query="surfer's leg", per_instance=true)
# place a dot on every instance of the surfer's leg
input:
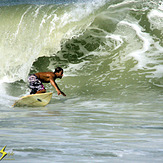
(36, 85)
(33, 91)
(41, 91)
(32, 80)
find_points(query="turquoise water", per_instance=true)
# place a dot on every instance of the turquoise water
(111, 53)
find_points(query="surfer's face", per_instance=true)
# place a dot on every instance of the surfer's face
(60, 74)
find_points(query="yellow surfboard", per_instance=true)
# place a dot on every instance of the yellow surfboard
(40, 99)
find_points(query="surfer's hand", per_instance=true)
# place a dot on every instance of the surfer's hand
(63, 93)
(60, 92)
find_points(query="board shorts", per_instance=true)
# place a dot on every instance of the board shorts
(35, 84)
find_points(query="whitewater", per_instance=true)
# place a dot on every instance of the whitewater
(112, 55)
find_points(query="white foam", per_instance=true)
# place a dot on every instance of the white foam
(118, 39)
(155, 18)
(148, 55)
(124, 3)
(21, 20)
(37, 10)
(72, 68)
(160, 5)
(5, 100)
(141, 54)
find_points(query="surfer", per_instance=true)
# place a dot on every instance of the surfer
(36, 80)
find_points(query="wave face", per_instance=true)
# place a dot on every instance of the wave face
(102, 45)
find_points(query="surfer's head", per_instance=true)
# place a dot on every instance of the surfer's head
(59, 72)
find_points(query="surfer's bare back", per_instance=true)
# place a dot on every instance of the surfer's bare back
(36, 80)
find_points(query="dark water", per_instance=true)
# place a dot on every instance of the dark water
(111, 53)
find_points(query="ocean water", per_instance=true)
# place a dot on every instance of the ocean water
(112, 55)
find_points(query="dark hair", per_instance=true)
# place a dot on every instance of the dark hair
(58, 69)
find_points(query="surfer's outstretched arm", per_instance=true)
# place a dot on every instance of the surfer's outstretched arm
(54, 84)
